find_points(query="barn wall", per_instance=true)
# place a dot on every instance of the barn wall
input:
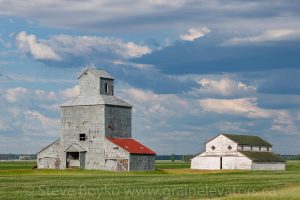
(221, 144)
(213, 162)
(90, 121)
(206, 162)
(268, 166)
(116, 158)
(120, 120)
(139, 162)
(238, 162)
(49, 157)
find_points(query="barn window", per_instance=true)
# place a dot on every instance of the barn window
(106, 87)
(69, 124)
(110, 125)
(213, 147)
(82, 137)
(229, 147)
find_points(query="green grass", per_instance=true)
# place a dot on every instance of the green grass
(169, 181)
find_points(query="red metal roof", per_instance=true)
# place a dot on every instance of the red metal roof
(131, 146)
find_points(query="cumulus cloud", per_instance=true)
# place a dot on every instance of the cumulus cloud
(267, 36)
(70, 92)
(223, 86)
(38, 49)
(244, 107)
(87, 45)
(15, 94)
(78, 46)
(194, 33)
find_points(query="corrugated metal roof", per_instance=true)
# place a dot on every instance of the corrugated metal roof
(98, 72)
(247, 140)
(96, 100)
(132, 146)
(262, 156)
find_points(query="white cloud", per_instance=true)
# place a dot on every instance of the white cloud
(14, 94)
(194, 33)
(267, 36)
(130, 64)
(245, 107)
(223, 86)
(39, 50)
(70, 92)
(87, 45)
(158, 104)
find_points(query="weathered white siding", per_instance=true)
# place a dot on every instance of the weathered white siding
(87, 120)
(236, 162)
(49, 158)
(206, 162)
(221, 144)
(268, 166)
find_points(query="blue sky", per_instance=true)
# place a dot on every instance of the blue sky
(192, 69)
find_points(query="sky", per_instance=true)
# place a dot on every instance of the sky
(192, 69)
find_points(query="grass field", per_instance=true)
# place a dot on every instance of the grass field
(169, 181)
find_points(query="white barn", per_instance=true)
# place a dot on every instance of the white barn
(244, 152)
(96, 131)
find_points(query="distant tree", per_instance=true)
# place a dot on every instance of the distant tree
(173, 158)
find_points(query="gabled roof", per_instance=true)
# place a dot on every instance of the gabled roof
(132, 146)
(48, 146)
(262, 156)
(248, 140)
(96, 100)
(98, 72)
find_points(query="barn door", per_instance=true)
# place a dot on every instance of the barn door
(221, 163)
(82, 160)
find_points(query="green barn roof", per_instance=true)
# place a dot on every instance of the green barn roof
(248, 140)
(262, 156)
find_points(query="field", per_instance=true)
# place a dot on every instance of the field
(170, 181)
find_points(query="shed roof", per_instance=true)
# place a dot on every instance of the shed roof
(48, 146)
(248, 140)
(262, 156)
(132, 146)
(96, 100)
(98, 72)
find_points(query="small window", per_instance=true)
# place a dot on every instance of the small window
(259, 148)
(106, 88)
(268, 148)
(213, 147)
(229, 147)
(116, 148)
(82, 137)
